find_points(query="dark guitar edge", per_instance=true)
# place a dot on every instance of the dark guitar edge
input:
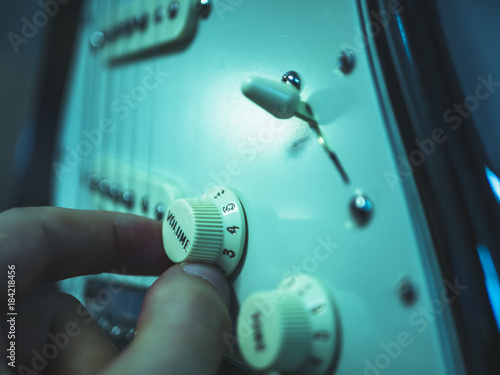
(459, 205)
(35, 183)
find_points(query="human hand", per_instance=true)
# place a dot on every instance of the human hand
(183, 318)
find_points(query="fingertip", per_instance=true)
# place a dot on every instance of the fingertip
(212, 275)
(182, 324)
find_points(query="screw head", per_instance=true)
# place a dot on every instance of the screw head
(160, 13)
(361, 209)
(406, 291)
(128, 198)
(93, 181)
(97, 39)
(145, 204)
(115, 191)
(173, 9)
(141, 21)
(104, 185)
(346, 62)
(160, 211)
(293, 78)
(204, 7)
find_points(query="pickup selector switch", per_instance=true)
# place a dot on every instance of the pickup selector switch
(211, 229)
(291, 329)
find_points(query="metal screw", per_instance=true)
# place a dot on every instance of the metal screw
(160, 13)
(293, 78)
(97, 39)
(361, 209)
(173, 9)
(104, 185)
(93, 181)
(141, 20)
(406, 291)
(128, 198)
(160, 210)
(115, 191)
(116, 332)
(103, 322)
(130, 334)
(145, 203)
(346, 61)
(204, 7)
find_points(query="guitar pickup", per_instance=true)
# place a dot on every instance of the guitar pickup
(136, 27)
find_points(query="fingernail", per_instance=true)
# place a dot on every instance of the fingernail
(212, 275)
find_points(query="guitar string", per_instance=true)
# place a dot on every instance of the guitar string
(89, 70)
(117, 85)
(106, 167)
(135, 124)
(101, 77)
(79, 200)
(152, 106)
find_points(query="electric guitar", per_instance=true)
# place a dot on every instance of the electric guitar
(287, 126)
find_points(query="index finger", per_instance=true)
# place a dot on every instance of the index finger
(47, 244)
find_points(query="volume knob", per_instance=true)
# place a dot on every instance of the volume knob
(193, 230)
(209, 229)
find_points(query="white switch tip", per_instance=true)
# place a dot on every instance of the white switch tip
(278, 98)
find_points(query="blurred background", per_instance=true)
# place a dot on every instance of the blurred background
(32, 77)
(33, 71)
(35, 60)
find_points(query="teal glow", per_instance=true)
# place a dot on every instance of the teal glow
(491, 280)
(494, 182)
(404, 37)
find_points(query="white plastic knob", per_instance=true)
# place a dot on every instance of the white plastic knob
(291, 329)
(192, 230)
(281, 338)
(211, 229)
(276, 97)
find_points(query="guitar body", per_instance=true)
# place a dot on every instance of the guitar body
(168, 119)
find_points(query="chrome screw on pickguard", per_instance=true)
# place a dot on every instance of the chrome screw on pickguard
(128, 198)
(160, 13)
(293, 78)
(204, 7)
(346, 62)
(104, 323)
(361, 209)
(145, 204)
(115, 191)
(141, 20)
(93, 181)
(116, 332)
(130, 334)
(173, 9)
(406, 291)
(160, 211)
(97, 39)
(104, 185)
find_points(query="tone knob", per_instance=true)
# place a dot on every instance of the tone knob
(291, 329)
(210, 229)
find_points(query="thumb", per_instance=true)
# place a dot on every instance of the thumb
(181, 327)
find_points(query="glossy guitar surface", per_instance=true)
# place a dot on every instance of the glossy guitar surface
(156, 111)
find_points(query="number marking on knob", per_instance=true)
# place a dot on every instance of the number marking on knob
(209, 229)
